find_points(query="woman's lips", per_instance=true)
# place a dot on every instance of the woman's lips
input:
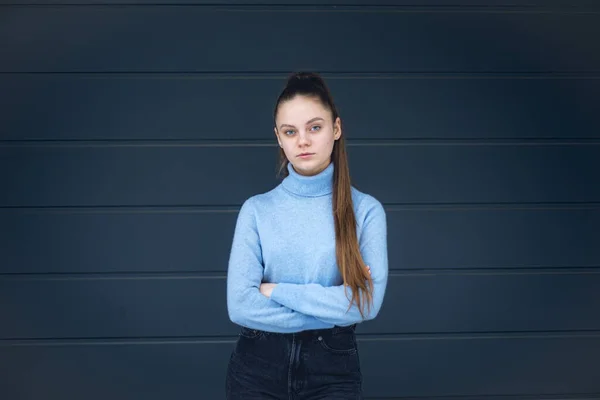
(305, 155)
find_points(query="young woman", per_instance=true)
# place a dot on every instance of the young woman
(308, 262)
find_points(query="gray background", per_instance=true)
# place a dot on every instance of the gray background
(131, 132)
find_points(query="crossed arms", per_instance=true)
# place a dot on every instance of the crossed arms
(296, 307)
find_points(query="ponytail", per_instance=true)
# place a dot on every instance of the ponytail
(349, 259)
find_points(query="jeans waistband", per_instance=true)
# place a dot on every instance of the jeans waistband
(309, 333)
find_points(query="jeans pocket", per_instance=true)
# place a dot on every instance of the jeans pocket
(250, 333)
(341, 343)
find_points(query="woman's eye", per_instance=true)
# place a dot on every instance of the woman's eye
(288, 132)
(316, 127)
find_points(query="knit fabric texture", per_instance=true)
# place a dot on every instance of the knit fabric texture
(286, 236)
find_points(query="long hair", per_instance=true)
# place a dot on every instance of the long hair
(349, 260)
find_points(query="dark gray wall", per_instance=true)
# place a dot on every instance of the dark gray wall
(131, 132)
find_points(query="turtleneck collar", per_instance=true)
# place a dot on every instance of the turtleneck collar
(320, 184)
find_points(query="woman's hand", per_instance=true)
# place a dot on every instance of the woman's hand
(267, 288)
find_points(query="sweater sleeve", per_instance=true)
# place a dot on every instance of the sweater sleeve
(330, 304)
(246, 306)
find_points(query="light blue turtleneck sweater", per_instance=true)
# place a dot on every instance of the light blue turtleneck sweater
(287, 236)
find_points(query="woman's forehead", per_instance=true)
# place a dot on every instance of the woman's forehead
(301, 110)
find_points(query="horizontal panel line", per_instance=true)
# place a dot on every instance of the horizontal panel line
(233, 208)
(201, 275)
(109, 276)
(92, 341)
(496, 271)
(245, 143)
(528, 396)
(585, 333)
(370, 8)
(126, 209)
(279, 75)
(508, 206)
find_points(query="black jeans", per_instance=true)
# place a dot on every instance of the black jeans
(320, 364)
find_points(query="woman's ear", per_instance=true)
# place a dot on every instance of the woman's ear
(277, 136)
(337, 128)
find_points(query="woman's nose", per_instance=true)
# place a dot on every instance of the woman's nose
(303, 138)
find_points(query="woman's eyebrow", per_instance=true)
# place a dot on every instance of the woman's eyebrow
(314, 119)
(307, 122)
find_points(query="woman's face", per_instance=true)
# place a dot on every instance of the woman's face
(304, 125)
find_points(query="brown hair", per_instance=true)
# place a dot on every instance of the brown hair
(349, 260)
